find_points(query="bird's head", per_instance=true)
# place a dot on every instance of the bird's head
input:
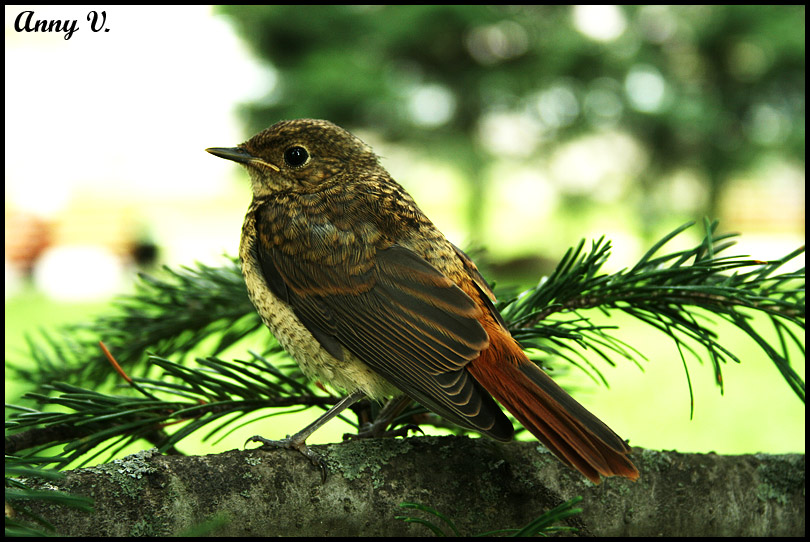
(299, 155)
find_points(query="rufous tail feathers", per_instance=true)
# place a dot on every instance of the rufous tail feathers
(573, 434)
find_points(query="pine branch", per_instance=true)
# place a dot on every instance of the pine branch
(203, 310)
(194, 397)
(674, 293)
(167, 316)
(19, 493)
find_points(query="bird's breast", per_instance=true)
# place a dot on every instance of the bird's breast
(348, 374)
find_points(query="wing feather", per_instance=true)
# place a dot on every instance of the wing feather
(398, 314)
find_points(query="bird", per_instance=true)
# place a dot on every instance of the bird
(367, 295)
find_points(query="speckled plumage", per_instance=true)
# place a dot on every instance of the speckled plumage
(339, 234)
(361, 288)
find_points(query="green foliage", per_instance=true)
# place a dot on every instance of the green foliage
(170, 315)
(168, 400)
(18, 491)
(91, 423)
(732, 80)
(675, 293)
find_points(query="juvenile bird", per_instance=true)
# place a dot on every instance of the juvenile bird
(366, 294)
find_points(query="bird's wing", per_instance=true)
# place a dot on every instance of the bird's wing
(395, 312)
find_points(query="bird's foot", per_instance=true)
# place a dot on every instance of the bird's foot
(292, 443)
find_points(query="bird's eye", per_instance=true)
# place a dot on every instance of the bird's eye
(296, 156)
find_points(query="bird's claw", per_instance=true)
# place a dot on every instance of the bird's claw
(290, 443)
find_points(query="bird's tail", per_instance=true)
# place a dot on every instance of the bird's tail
(573, 434)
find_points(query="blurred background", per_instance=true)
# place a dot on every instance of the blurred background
(519, 130)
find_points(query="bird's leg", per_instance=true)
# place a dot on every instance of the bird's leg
(378, 428)
(298, 440)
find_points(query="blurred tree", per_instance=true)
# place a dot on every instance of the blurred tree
(715, 89)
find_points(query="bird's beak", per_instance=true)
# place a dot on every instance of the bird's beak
(239, 155)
